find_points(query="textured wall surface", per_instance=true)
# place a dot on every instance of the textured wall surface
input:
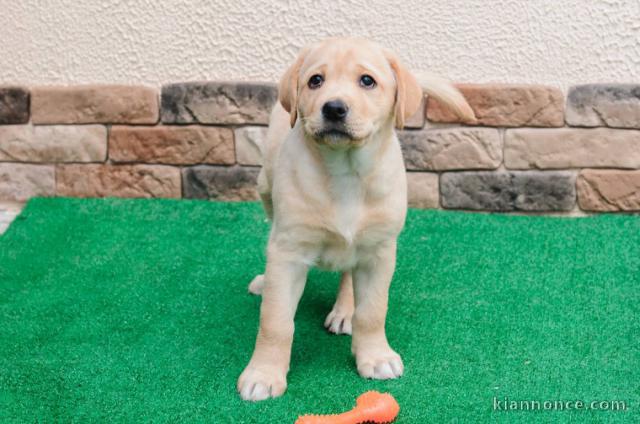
(142, 41)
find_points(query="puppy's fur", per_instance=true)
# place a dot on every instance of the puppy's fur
(336, 194)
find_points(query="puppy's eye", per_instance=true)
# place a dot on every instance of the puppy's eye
(315, 81)
(367, 81)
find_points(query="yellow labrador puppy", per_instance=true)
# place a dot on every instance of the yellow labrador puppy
(333, 182)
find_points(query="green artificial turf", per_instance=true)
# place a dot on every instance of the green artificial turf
(137, 311)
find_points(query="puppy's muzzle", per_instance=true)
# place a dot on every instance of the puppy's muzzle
(335, 111)
(335, 129)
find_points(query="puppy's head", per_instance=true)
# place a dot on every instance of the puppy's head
(343, 90)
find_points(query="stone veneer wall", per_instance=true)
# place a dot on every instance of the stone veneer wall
(531, 151)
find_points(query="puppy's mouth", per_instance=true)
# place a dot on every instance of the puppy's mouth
(336, 137)
(334, 133)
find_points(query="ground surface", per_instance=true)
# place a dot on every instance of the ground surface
(137, 311)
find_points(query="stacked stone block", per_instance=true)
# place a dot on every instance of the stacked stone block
(531, 151)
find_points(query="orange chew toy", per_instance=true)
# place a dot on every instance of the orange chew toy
(371, 407)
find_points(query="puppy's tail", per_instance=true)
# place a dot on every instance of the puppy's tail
(442, 90)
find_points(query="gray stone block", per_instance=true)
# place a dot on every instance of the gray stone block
(217, 103)
(14, 105)
(508, 191)
(220, 182)
(604, 105)
(451, 148)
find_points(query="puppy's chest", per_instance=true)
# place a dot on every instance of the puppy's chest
(348, 208)
(340, 251)
(350, 232)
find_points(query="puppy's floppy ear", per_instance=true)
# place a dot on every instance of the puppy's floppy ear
(408, 90)
(288, 87)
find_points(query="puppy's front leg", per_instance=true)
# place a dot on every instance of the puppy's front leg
(266, 374)
(371, 280)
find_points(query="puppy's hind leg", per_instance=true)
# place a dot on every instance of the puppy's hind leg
(339, 319)
(256, 285)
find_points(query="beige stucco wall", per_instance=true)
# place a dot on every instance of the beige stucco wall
(143, 41)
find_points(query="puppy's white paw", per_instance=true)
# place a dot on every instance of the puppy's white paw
(256, 285)
(260, 383)
(339, 320)
(379, 364)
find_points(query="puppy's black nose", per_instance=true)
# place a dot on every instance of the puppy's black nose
(335, 110)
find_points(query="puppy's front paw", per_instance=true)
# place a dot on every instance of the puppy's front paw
(339, 320)
(379, 363)
(261, 382)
